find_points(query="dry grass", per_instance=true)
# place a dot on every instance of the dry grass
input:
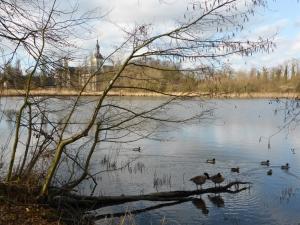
(15, 214)
(67, 92)
(18, 205)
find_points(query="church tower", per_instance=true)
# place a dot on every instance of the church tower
(98, 56)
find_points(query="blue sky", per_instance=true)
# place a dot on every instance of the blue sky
(282, 17)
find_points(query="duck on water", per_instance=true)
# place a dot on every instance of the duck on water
(211, 161)
(235, 170)
(265, 163)
(285, 167)
(137, 149)
(270, 172)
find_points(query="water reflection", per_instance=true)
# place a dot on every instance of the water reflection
(10, 115)
(238, 138)
(135, 212)
(199, 203)
(287, 193)
(162, 180)
(217, 200)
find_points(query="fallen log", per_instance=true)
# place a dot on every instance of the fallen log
(68, 200)
(91, 217)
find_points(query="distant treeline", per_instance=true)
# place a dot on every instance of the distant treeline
(13, 77)
(171, 78)
(165, 77)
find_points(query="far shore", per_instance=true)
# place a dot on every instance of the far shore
(66, 92)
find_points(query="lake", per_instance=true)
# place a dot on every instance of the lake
(238, 135)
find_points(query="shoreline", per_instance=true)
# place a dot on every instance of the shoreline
(70, 93)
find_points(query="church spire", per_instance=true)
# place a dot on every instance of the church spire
(98, 47)
(98, 56)
(97, 53)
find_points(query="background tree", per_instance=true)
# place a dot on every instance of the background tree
(285, 75)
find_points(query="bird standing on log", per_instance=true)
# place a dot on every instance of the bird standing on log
(200, 180)
(217, 179)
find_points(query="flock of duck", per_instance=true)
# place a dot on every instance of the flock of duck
(219, 178)
(270, 171)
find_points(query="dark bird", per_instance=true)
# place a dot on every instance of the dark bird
(270, 172)
(211, 161)
(217, 200)
(265, 163)
(235, 170)
(217, 179)
(138, 149)
(285, 167)
(199, 203)
(199, 180)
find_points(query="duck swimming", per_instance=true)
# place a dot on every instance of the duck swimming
(285, 167)
(235, 170)
(138, 149)
(265, 163)
(211, 161)
(269, 172)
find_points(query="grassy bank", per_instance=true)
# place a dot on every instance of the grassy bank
(66, 92)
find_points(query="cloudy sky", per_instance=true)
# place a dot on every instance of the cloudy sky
(282, 18)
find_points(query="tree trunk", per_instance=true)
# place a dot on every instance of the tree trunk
(65, 200)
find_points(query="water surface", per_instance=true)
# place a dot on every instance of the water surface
(238, 136)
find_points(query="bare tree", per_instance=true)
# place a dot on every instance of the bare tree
(205, 36)
(39, 31)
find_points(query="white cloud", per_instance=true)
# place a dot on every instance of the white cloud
(140, 11)
(268, 30)
(163, 14)
(297, 23)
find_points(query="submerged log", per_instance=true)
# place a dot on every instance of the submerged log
(92, 217)
(91, 203)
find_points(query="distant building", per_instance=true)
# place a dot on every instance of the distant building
(94, 64)
(77, 77)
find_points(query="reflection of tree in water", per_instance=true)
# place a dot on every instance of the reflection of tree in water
(9, 115)
(290, 111)
(162, 180)
(287, 193)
